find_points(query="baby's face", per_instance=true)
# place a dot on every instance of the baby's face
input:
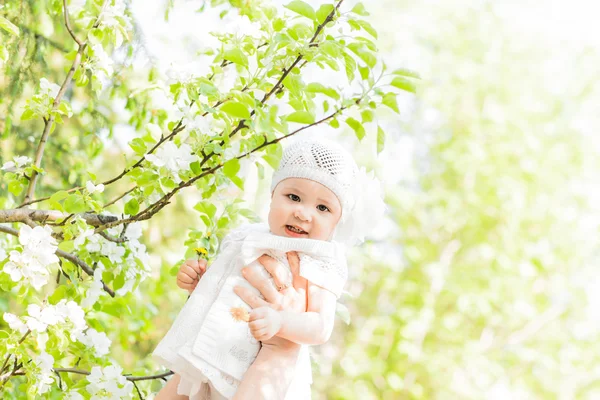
(301, 208)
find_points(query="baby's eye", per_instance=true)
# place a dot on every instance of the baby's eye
(293, 197)
(321, 207)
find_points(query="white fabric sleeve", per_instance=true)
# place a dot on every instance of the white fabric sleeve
(331, 276)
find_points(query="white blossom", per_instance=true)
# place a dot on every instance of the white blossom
(42, 339)
(3, 254)
(130, 276)
(48, 88)
(69, 310)
(40, 318)
(98, 340)
(80, 240)
(94, 243)
(95, 290)
(134, 231)
(91, 188)
(76, 5)
(38, 253)
(15, 323)
(73, 395)
(173, 158)
(44, 374)
(17, 163)
(108, 382)
(113, 251)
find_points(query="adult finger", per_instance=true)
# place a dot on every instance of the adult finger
(263, 285)
(281, 276)
(294, 262)
(249, 297)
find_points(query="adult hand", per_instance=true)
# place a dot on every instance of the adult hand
(189, 274)
(291, 296)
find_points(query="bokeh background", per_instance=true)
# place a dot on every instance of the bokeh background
(483, 281)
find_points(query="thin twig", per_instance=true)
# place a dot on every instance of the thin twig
(68, 24)
(113, 239)
(119, 198)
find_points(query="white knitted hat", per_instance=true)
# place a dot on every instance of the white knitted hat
(332, 166)
(321, 161)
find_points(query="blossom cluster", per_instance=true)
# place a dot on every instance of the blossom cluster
(173, 158)
(40, 318)
(31, 264)
(108, 383)
(118, 255)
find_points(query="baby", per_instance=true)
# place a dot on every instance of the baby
(211, 345)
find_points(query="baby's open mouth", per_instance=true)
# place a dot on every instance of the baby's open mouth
(294, 229)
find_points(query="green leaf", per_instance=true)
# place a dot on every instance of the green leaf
(75, 204)
(272, 160)
(231, 168)
(367, 116)
(65, 109)
(404, 84)
(138, 145)
(301, 117)
(389, 99)
(369, 58)
(300, 31)
(368, 28)
(316, 87)
(350, 66)
(207, 208)
(330, 48)
(360, 10)
(132, 207)
(380, 139)
(238, 182)
(9, 26)
(235, 109)
(16, 187)
(237, 56)
(406, 72)
(358, 128)
(323, 12)
(27, 114)
(294, 84)
(301, 8)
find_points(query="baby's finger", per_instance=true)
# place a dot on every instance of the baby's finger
(202, 264)
(194, 265)
(257, 313)
(187, 274)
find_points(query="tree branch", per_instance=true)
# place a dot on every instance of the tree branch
(129, 378)
(42, 216)
(49, 122)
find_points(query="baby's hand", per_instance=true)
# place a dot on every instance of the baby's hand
(264, 323)
(190, 273)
